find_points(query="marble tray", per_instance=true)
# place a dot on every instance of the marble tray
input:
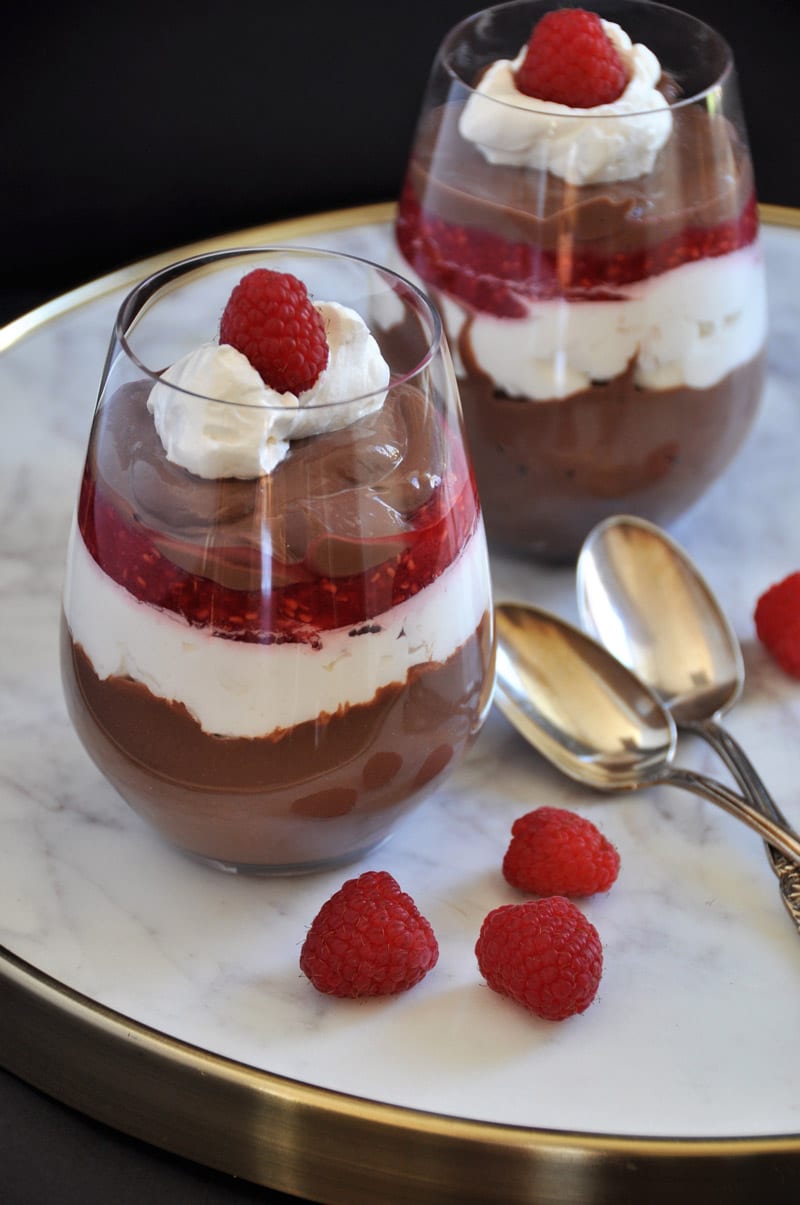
(165, 998)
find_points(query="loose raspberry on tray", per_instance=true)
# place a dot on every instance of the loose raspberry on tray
(777, 619)
(556, 852)
(369, 939)
(270, 319)
(543, 954)
(570, 60)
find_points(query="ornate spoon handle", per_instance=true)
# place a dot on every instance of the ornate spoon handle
(750, 781)
(786, 840)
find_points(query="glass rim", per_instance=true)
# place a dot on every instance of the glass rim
(554, 111)
(134, 305)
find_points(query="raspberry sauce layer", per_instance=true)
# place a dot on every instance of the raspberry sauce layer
(347, 527)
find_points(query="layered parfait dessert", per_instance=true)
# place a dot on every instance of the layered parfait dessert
(277, 626)
(580, 202)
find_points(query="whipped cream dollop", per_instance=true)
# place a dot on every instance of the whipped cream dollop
(216, 417)
(616, 141)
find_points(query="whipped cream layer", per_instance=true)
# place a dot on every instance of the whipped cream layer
(687, 327)
(249, 690)
(615, 141)
(216, 417)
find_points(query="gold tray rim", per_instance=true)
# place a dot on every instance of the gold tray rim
(305, 1140)
(284, 231)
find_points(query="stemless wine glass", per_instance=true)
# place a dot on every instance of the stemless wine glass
(273, 662)
(598, 270)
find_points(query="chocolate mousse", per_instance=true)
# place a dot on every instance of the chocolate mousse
(272, 669)
(609, 334)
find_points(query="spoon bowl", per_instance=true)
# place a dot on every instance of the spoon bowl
(647, 603)
(580, 707)
(594, 720)
(641, 596)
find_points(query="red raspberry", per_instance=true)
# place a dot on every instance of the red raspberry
(570, 60)
(556, 852)
(270, 319)
(369, 939)
(777, 618)
(544, 954)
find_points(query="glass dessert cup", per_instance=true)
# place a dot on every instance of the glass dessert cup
(274, 669)
(599, 275)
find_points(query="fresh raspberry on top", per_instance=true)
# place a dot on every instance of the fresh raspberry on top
(544, 954)
(556, 852)
(270, 319)
(571, 61)
(777, 618)
(369, 939)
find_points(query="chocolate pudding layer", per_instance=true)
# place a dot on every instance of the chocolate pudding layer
(550, 470)
(702, 179)
(319, 792)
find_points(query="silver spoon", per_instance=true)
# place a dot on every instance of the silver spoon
(594, 720)
(643, 598)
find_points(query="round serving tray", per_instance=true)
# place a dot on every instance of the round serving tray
(164, 999)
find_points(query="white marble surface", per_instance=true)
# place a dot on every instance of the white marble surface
(694, 1032)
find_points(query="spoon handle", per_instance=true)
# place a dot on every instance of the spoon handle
(771, 830)
(747, 776)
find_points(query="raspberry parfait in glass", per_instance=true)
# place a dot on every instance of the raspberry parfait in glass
(580, 204)
(277, 626)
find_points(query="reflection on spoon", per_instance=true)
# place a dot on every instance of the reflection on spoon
(643, 598)
(594, 720)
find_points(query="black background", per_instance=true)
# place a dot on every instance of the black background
(129, 129)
